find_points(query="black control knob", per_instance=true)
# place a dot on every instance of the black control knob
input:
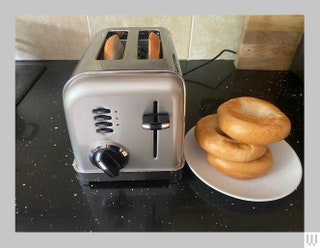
(109, 158)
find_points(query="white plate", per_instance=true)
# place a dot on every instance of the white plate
(281, 181)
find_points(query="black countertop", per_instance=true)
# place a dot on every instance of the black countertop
(49, 197)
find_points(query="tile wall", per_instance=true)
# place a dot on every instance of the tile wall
(40, 37)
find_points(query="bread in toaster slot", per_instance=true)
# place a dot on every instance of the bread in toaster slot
(149, 45)
(113, 49)
(153, 46)
(113, 46)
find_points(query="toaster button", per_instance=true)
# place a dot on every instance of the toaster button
(101, 111)
(103, 124)
(102, 117)
(104, 130)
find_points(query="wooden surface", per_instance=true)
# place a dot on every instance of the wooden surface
(269, 42)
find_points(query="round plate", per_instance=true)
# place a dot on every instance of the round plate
(281, 181)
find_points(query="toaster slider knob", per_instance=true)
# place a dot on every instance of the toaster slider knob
(109, 158)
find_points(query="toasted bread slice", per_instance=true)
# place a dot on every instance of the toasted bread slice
(113, 48)
(153, 46)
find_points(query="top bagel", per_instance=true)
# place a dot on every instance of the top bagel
(253, 121)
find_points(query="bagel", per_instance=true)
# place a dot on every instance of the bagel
(153, 46)
(113, 48)
(213, 140)
(243, 170)
(253, 121)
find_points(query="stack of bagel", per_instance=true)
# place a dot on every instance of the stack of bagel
(236, 139)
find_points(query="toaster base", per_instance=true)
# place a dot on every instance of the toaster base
(169, 176)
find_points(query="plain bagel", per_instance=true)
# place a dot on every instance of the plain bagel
(243, 170)
(213, 140)
(252, 120)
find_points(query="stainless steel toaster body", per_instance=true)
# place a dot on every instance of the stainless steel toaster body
(126, 117)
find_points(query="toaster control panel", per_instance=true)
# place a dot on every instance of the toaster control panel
(102, 120)
(109, 158)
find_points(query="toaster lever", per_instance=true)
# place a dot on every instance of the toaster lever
(156, 121)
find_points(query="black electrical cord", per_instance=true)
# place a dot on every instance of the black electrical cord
(217, 56)
(208, 86)
(199, 66)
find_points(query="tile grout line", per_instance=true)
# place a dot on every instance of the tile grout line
(88, 27)
(190, 38)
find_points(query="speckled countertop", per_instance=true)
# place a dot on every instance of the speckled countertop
(49, 197)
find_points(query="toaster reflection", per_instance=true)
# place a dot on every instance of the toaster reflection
(132, 206)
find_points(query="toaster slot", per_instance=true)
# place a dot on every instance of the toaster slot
(113, 46)
(149, 45)
(155, 131)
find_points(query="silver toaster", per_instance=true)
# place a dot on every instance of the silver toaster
(126, 116)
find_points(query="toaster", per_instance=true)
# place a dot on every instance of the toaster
(126, 116)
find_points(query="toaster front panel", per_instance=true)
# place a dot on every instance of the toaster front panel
(140, 112)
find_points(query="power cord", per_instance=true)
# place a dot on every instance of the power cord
(217, 56)
(208, 86)
(199, 66)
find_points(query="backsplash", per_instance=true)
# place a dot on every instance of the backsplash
(57, 37)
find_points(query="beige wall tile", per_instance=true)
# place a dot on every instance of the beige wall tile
(179, 27)
(42, 37)
(212, 34)
(50, 37)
